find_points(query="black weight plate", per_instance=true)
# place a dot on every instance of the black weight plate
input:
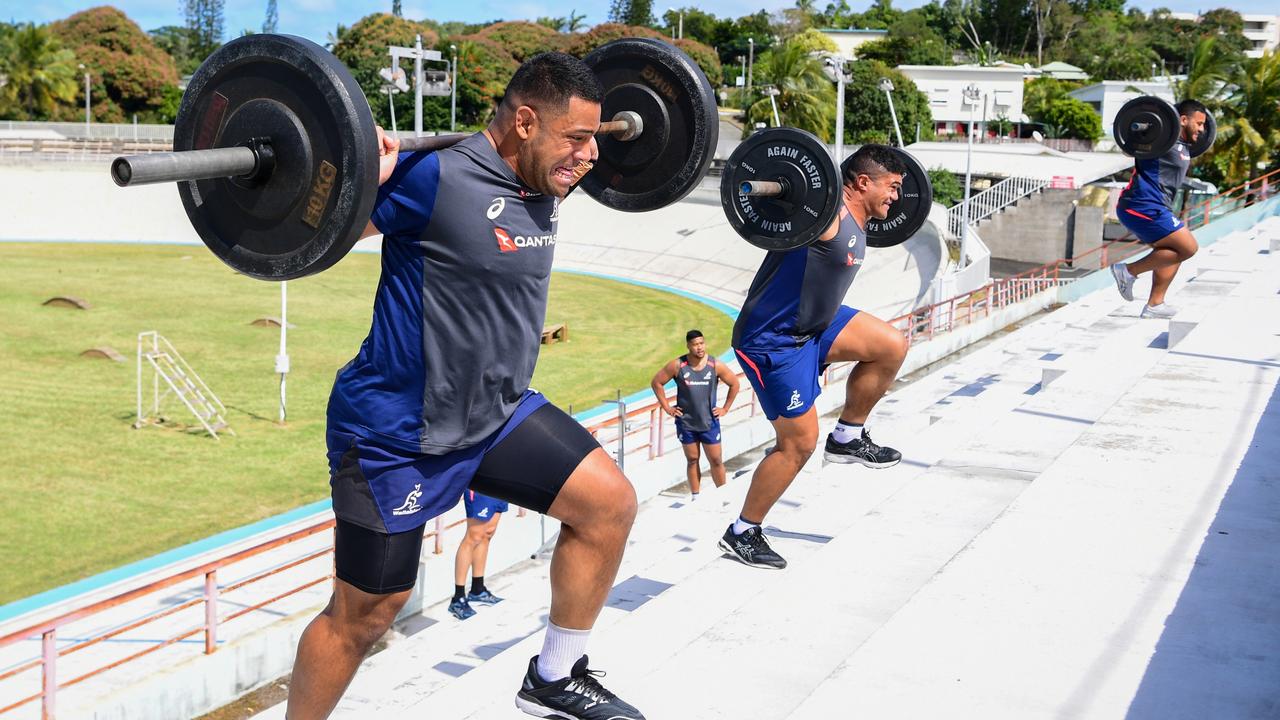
(906, 214)
(1207, 136)
(800, 161)
(310, 211)
(1146, 127)
(681, 125)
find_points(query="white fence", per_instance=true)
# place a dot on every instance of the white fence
(92, 131)
(992, 200)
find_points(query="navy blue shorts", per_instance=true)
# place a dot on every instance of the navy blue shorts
(786, 381)
(482, 507)
(391, 491)
(710, 436)
(1149, 223)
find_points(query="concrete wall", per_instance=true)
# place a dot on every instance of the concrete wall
(1043, 228)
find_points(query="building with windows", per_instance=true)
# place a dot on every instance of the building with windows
(999, 95)
(850, 39)
(1262, 31)
(1108, 96)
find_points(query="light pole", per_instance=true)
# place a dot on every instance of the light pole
(751, 62)
(773, 92)
(681, 14)
(417, 86)
(86, 100)
(971, 93)
(833, 66)
(886, 86)
(453, 91)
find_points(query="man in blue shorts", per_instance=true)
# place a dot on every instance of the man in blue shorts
(697, 377)
(437, 399)
(1145, 209)
(483, 513)
(793, 325)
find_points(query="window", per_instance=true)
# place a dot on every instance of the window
(1004, 98)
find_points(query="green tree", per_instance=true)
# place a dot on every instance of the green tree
(867, 110)
(813, 40)
(363, 49)
(805, 99)
(177, 41)
(130, 74)
(1211, 68)
(484, 69)
(1040, 93)
(1106, 47)
(204, 18)
(731, 36)
(39, 75)
(947, 189)
(1074, 118)
(583, 43)
(698, 24)
(631, 12)
(1227, 25)
(704, 57)
(910, 41)
(524, 39)
(1248, 126)
(273, 17)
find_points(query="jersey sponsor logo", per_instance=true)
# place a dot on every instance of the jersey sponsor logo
(410, 504)
(686, 376)
(795, 400)
(484, 512)
(495, 208)
(849, 260)
(555, 210)
(505, 243)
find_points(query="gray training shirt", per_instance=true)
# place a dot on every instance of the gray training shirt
(466, 261)
(696, 394)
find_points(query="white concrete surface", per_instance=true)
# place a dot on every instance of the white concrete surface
(1100, 548)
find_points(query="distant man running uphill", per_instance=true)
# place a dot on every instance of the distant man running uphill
(437, 399)
(793, 325)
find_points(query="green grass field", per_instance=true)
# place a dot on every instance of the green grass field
(82, 492)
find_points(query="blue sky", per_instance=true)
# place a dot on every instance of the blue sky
(315, 19)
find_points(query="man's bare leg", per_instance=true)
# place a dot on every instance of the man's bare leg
(715, 457)
(796, 439)
(1161, 278)
(334, 644)
(879, 350)
(1174, 248)
(692, 472)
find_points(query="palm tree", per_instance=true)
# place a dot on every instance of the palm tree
(38, 74)
(1248, 127)
(1208, 73)
(806, 98)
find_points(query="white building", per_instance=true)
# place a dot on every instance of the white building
(1107, 96)
(999, 88)
(849, 40)
(1262, 31)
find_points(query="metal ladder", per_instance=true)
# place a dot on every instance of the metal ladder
(181, 380)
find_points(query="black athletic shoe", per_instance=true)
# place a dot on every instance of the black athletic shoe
(861, 450)
(751, 548)
(577, 697)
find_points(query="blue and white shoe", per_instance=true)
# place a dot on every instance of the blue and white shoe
(461, 609)
(484, 597)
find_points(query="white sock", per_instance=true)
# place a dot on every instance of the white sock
(740, 526)
(845, 432)
(693, 497)
(561, 648)
(1129, 274)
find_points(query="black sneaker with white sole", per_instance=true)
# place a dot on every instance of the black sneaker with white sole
(577, 697)
(861, 450)
(750, 548)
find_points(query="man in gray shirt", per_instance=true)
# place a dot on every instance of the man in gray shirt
(437, 399)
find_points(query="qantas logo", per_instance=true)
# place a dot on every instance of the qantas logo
(509, 243)
(505, 244)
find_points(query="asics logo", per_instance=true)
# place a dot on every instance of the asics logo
(496, 208)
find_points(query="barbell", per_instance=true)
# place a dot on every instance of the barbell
(781, 190)
(276, 154)
(1147, 127)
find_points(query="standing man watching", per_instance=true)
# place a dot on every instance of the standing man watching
(1145, 208)
(697, 377)
(793, 325)
(483, 513)
(437, 399)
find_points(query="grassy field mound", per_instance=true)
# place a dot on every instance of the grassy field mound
(82, 492)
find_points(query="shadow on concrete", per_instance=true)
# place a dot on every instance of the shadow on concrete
(1219, 655)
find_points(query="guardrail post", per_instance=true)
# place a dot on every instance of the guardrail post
(653, 427)
(48, 663)
(439, 543)
(210, 611)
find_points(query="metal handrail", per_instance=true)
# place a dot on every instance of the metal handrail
(992, 200)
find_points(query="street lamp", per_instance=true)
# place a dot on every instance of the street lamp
(453, 90)
(886, 86)
(751, 62)
(681, 14)
(971, 93)
(86, 100)
(773, 92)
(833, 67)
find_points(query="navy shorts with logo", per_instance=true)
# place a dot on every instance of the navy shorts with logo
(786, 381)
(482, 507)
(390, 491)
(710, 436)
(1148, 223)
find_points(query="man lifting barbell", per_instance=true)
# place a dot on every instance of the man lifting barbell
(1145, 205)
(793, 322)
